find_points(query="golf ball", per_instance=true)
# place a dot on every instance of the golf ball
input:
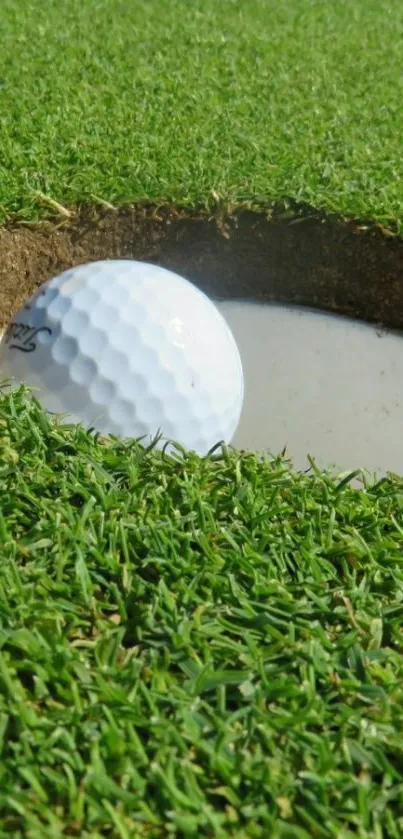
(130, 349)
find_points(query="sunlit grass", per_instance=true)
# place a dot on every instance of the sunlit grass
(194, 647)
(172, 101)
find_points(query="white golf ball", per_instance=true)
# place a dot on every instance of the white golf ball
(129, 349)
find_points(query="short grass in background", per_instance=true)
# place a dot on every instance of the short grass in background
(172, 101)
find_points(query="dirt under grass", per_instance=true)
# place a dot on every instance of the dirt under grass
(345, 267)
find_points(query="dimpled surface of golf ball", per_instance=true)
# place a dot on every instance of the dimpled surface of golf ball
(129, 349)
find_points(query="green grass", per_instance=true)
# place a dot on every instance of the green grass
(194, 647)
(129, 100)
(197, 647)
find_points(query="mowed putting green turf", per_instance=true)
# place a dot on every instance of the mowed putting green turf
(194, 647)
(172, 101)
(189, 647)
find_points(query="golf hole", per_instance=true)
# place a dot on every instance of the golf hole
(327, 385)
(319, 384)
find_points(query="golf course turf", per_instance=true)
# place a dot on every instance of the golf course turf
(199, 647)
(172, 101)
(194, 647)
